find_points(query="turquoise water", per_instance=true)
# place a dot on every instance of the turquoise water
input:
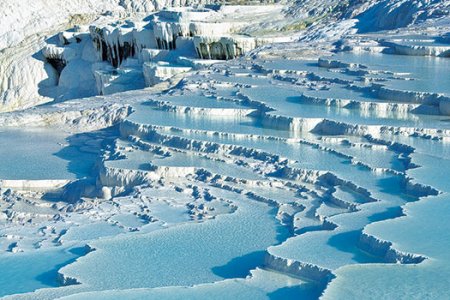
(173, 255)
(431, 73)
(26, 272)
(41, 154)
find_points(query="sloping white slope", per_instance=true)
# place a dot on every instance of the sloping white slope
(373, 15)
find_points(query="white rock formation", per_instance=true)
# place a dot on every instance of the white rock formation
(155, 73)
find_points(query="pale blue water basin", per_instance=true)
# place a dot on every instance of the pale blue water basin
(363, 151)
(145, 114)
(226, 247)
(437, 148)
(140, 160)
(26, 272)
(432, 73)
(423, 231)
(308, 156)
(41, 153)
(287, 102)
(263, 284)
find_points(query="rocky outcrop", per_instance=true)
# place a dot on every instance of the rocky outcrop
(372, 15)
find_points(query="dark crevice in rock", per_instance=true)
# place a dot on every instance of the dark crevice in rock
(57, 63)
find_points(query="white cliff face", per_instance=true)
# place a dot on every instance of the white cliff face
(24, 80)
(199, 31)
(21, 20)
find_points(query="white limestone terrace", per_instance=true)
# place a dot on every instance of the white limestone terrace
(50, 76)
(261, 177)
(325, 189)
(69, 64)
